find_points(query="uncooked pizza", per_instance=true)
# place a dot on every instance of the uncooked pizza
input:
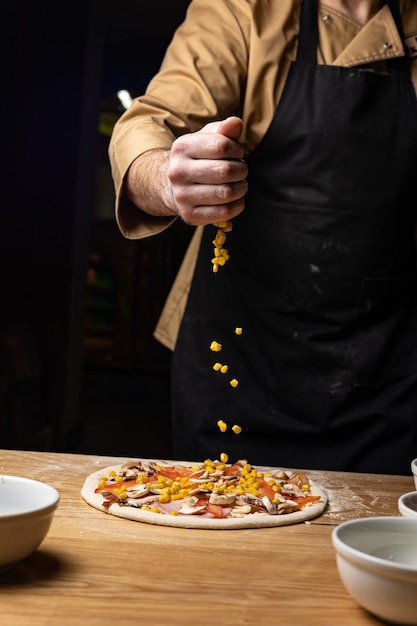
(209, 494)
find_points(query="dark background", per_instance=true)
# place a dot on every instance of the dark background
(79, 368)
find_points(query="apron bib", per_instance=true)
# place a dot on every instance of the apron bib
(322, 280)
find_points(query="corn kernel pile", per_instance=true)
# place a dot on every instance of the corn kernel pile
(248, 480)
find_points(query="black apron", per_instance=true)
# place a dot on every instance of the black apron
(321, 279)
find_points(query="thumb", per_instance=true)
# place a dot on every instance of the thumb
(230, 127)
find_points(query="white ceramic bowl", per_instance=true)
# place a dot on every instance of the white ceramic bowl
(377, 563)
(26, 511)
(407, 504)
(414, 470)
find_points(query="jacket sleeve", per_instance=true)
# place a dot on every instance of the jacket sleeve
(201, 79)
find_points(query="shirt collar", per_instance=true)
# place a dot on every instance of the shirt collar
(378, 40)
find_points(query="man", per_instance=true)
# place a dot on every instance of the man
(296, 122)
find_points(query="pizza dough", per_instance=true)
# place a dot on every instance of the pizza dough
(250, 520)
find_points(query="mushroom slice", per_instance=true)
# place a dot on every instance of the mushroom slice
(287, 507)
(279, 498)
(269, 506)
(292, 490)
(199, 474)
(229, 480)
(253, 500)
(148, 467)
(281, 475)
(139, 502)
(198, 490)
(190, 506)
(156, 490)
(130, 473)
(241, 509)
(217, 474)
(300, 480)
(138, 491)
(222, 498)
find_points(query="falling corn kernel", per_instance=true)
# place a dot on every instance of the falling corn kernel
(215, 347)
(238, 330)
(224, 457)
(224, 369)
(234, 382)
(226, 226)
(217, 367)
(237, 429)
(222, 426)
(220, 239)
(221, 255)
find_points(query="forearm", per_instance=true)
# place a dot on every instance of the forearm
(147, 184)
(201, 179)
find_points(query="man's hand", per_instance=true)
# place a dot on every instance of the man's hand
(207, 173)
(202, 178)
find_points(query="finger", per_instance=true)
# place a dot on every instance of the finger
(190, 196)
(202, 145)
(209, 172)
(202, 215)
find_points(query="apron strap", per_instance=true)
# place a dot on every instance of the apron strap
(399, 64)
(308, 33)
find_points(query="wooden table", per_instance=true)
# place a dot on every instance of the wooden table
(94, 569)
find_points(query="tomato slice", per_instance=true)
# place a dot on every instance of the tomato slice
(232, 470)
(215, 509)
(265, 489)
(174, 473)
(302, 501)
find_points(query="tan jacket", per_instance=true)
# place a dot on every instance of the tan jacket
(232, 57)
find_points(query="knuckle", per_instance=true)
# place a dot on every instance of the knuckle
(231, 170)
(225, 170)
(218, 147)
(174, 171)
(225, 193)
